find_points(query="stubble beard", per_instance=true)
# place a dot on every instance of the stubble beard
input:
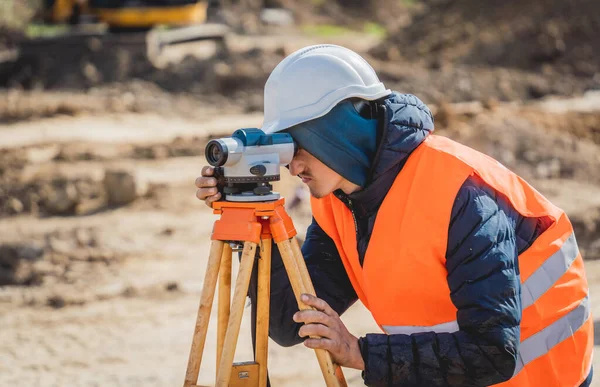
(315, 193)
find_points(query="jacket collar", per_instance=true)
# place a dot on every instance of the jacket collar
(404, 123)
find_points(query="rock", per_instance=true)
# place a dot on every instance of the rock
(167, 231)
(31, 252)
(60, 197)
(122, 187)
(84, 237)
(539, 88)
(14, 206)
(277, 16)
(172, 286)
(17, 264)
(91, 73)
(56, 302)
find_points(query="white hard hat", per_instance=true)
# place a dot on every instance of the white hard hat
(311, 81)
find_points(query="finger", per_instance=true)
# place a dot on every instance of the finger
(326, 344)
(310, 316)
(205, 182)
(316, 330)
(207, 170)
(211, 199)
(205, 193)
(318, 304)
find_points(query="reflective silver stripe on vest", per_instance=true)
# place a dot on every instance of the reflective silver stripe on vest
(542, 280)
(448, 327)
(543, 341)
(551, 270)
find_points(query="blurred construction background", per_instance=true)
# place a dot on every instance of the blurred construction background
(103, 122)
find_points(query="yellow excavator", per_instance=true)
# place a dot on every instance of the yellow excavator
(156, 23)
(113, 34)
(128, 14)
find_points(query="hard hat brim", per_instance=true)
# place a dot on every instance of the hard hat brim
(299, 115)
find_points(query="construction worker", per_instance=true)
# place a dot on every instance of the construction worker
(474, 277)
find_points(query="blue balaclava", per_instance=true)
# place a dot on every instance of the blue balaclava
(342, 139)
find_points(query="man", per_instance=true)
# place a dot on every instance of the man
(474, 277)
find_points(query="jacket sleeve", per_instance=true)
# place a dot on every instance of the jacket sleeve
(328, 276)
(483, 277)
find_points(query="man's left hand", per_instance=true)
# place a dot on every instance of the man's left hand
(325, 323)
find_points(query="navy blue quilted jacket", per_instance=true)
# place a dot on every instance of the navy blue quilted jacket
(485, 237)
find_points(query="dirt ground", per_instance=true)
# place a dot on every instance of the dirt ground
(108, 293)
(103, 244)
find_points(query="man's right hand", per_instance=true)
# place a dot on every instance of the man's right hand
(207, 186)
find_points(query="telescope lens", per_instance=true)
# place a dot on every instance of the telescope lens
(216, 153)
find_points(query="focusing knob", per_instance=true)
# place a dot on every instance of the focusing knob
(258, 170)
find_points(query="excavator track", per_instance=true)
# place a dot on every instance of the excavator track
(120, 55)
(111, 40)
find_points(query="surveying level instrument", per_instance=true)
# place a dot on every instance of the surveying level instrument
(252, 217)
(247, 162)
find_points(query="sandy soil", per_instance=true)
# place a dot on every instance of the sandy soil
(118, 287)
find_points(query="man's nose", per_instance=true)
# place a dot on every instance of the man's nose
(295, 167)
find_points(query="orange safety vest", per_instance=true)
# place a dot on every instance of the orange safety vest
(403, 280)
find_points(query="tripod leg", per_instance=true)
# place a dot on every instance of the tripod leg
(235, 317)
(301, 283)
(309, 286)
(224, 299)
(262, 311)
(206, 300)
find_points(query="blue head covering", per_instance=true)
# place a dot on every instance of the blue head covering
(342, 139)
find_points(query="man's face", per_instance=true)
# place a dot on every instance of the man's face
(320, 179)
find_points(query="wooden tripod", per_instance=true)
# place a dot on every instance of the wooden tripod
(253, 223)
